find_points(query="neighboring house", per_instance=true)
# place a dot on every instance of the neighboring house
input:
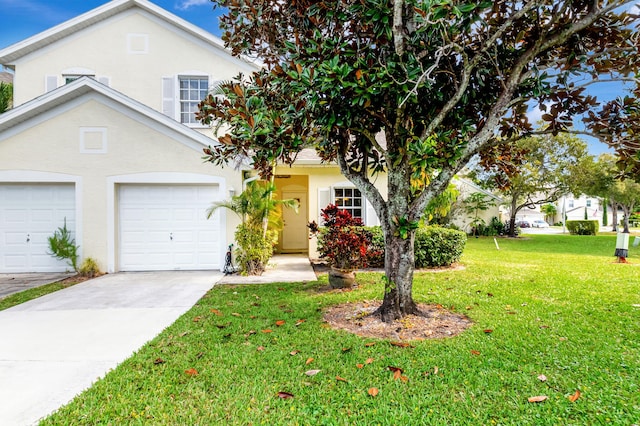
(575, 207)
(462, 219)
(103, 136)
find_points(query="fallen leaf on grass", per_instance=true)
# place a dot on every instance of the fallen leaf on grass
(435, 372)
(369, 361)
(538, 398)
(368, 345)
(280, 323)
(158, 361)
(300, 321)
(196, 319)
(217, 312)
(575, 396)
(360, 365)
(542, 378)
(401, 344)
(488, 331)
(191, 372)
(268, 330)
(312, 372)
(309, 361)
(373, 391)
(474, 352)
(235, 314)
(285, 395)
(296, 352)
(340, 379)
(346, 350)
(397, 372)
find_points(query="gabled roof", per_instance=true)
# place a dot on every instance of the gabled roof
(85, 88)
(101, 13)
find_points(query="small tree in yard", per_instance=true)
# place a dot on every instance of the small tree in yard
(441, 80)
(549, 211)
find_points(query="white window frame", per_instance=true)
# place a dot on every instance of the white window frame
(188, 77)
(339, 200)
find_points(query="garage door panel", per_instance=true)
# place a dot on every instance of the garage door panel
(29, 215)
(170, 226)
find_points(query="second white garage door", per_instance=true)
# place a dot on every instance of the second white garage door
(164, 227)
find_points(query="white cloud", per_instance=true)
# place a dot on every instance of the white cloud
(188, 4)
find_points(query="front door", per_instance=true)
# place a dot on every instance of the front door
(295, 235)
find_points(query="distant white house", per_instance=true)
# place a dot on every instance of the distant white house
(574, 208)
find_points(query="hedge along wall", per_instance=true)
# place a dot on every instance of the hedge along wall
(434, 246)
(583, 227)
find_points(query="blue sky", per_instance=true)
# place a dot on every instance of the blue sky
(20, 19)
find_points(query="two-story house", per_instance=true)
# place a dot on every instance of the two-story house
(103, 136)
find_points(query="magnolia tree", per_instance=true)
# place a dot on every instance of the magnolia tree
(411, 88)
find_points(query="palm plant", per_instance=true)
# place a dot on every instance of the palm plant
(261, 215)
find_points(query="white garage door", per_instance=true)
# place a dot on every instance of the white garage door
(164, 227)
(29, 215)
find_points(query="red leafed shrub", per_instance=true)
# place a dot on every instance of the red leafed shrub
(342, 241)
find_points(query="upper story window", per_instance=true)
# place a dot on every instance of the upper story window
(588, 202)
(192, 91)
(570, 204)
(69, 78)
(349, 199)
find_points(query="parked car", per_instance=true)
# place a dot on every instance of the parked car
(539, 223)
(523, 224)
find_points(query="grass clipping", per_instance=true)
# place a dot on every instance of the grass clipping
(437, 322)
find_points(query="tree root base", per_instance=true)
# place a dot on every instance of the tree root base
(429, 322)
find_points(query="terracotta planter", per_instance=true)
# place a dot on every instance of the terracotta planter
(341, 278)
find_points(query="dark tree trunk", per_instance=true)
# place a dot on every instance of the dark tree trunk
(399, 266)
(614, 216)
(512, 219)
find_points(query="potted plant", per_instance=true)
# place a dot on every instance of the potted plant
(343, 242)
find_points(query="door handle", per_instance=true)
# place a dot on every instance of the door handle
(171, 236)
(28, 237)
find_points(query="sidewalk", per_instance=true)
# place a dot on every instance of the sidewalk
(282, 268)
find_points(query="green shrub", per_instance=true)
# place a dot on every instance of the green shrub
(254, 250)
(375, 256)
(89, 268)
(63, 247)
(583, 227)
(436, 246)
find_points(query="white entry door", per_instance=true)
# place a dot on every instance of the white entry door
(164, 227)
(29, 215)
(295, 234)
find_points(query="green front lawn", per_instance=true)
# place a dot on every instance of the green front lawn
(559, 306)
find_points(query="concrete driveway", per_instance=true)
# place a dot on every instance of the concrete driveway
(53, 347)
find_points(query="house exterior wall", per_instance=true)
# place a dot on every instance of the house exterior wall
(133, 50)
(133, 148)
(460, 218)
